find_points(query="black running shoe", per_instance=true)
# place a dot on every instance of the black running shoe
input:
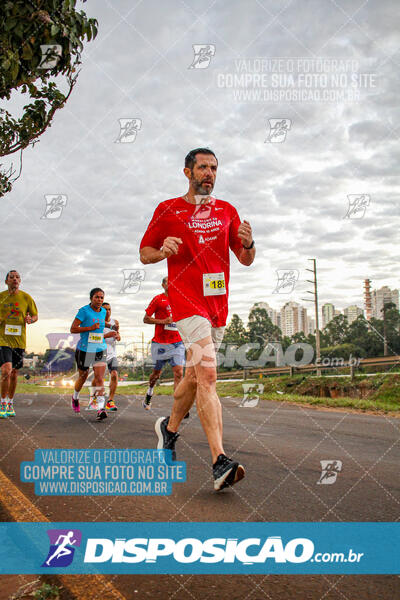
(147, 402)
(166, 439)
(101, 415)
(187, 415)
(226, 472)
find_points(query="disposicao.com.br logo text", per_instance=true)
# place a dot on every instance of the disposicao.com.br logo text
(247, 551)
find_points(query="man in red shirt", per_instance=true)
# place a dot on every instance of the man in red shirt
(194, 233)
(166, 345)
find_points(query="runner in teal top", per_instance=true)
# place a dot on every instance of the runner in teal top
(91, 341)
(91, 349)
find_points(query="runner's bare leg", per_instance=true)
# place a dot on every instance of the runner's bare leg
(184, 395)
(6, 369)
(178, 375)
(154, 377)
(81, 380)
(98, 378)
(113, 384)
(208, 404)
(13, 383)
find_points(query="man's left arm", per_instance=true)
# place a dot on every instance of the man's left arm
(245, 250)
(32, 312)
(118, 337)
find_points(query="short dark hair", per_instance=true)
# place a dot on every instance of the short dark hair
(106, 304)
(94, 291)
(164, 278)
(10, 271)
(190, 158)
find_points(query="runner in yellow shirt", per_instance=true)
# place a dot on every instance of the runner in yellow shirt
(17, 308)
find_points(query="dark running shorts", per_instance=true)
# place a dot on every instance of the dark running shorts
(85, 360)
(112, 364)
(13, 355)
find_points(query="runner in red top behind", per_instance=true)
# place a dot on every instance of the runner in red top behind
(166, 345)
(164, 333)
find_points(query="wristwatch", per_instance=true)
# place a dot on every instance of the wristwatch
(249, 247)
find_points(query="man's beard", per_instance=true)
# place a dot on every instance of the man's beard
(198, 188)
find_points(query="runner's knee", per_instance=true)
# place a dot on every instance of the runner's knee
(6, 370)
(98, 380)
(206, 376)
(178, 373)
(155, 375)
(190, 377)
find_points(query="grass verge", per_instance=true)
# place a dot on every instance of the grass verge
(379, 394)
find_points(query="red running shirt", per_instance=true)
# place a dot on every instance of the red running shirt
(198, 276)
(161, 309)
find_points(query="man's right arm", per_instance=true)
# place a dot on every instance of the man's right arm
(149, 255)
(153, 321)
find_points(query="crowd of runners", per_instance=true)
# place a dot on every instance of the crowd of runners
(194, 234)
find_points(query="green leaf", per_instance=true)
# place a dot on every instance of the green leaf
(26, 52)
(19, 30)
(14, 70)
(54, 30)
(10, 23)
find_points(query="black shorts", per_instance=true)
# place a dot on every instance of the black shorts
(13, 355)
(112, 364)
(85, 360)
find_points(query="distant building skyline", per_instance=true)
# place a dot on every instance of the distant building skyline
(352, 313)
(382, 296)
(328, 313)
(292, 317)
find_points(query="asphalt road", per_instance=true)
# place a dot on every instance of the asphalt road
(281, 446)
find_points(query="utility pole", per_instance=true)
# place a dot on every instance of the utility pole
(385, 344)
(315, 294)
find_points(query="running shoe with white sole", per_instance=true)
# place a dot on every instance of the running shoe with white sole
(10, 410)
(111, 405)
(75, 405)
(226, 472)
(166, 439)
(101, 415)
(147, 402)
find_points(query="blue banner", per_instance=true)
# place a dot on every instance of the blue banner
(209, 548)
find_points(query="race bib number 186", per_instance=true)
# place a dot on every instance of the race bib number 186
(214, 284)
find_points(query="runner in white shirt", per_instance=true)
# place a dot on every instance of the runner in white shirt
(111, 337)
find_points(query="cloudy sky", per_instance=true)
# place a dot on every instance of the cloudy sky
(292, 184)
